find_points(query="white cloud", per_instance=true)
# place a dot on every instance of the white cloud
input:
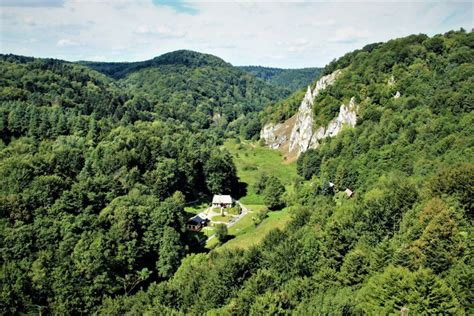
(283, 34)
(96, 58)
(159, 30)
(65, 42)
(349, 35)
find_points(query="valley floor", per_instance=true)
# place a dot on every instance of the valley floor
(251, 160)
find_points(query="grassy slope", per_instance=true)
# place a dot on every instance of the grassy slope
(196, 208)
(251, 160)
(248, 235)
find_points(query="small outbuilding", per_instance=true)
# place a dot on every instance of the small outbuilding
(349, 193)
(222, 201)
(196, 223)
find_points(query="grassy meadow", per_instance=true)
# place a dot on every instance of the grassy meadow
(251, 160)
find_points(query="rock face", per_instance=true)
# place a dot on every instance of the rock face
(273, 139)
(303, 129)
(347, 117)
(298, 133)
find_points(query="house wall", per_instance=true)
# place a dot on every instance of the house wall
(219, 205)
(194, 227)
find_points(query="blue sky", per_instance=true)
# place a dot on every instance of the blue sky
(287, 34)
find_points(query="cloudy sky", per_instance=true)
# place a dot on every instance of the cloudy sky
(286, 34)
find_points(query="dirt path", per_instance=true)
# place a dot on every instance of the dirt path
(232, 222)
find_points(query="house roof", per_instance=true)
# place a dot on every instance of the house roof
(197, 219)
(349, 192)
(221, 199)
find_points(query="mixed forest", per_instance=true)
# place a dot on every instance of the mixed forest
(290, 79)
(97, 161)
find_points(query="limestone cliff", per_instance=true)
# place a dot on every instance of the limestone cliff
(347, 117)
(298, 133)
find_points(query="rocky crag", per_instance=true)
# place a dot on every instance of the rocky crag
(298, 133)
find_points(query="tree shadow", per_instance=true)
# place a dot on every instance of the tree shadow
(241, 190)
(227, 238)
(196, 242)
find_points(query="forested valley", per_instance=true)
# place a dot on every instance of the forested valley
(290, 79)
(97, 161)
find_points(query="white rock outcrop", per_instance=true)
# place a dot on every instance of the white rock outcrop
(325, 81)
(272, 139)
(302, 131)
(347, 117)
(303, 134)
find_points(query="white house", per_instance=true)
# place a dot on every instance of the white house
(222, 201)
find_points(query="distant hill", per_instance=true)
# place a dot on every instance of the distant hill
(54, 84)
(197, 88)
(119, 70)
(290, 79)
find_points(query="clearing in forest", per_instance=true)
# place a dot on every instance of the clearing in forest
(251, 160)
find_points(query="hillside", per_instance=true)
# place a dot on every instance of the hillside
(119, 70)
(402, 242)
(200, 89)
(96, 169)
(94, 179)
(290, 79)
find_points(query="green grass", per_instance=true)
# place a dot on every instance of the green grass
(196, 208)
(255, 207)
(220, 218)
(246, 234)
(208, 231)
(246, 225)
(243, 226)
(251, 159)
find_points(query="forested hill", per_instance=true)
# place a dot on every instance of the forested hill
(402, 243)
(119, 70)
(95, 172)
(197, 88)
(290, 79)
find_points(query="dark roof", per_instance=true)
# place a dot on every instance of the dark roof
(197, 219)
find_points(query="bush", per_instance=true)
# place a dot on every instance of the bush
(260, 216)
(236, 210)
(221, 232)
(261, 183)
(273, 193)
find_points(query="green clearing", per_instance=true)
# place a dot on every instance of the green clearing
(247, 235)
(245, 224)
(252, 159)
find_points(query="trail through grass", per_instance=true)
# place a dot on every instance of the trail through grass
(251, 160)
